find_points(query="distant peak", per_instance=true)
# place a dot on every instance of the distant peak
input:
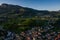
(4, 4)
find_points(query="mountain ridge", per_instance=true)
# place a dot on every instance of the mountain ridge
(9, 9)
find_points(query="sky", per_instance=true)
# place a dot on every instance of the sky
(51, 5)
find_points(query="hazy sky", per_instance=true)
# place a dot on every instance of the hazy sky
(36, 4)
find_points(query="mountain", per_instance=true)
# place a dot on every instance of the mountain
(9, 11)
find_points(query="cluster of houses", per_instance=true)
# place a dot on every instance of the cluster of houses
(36, 33)
(41, 33)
